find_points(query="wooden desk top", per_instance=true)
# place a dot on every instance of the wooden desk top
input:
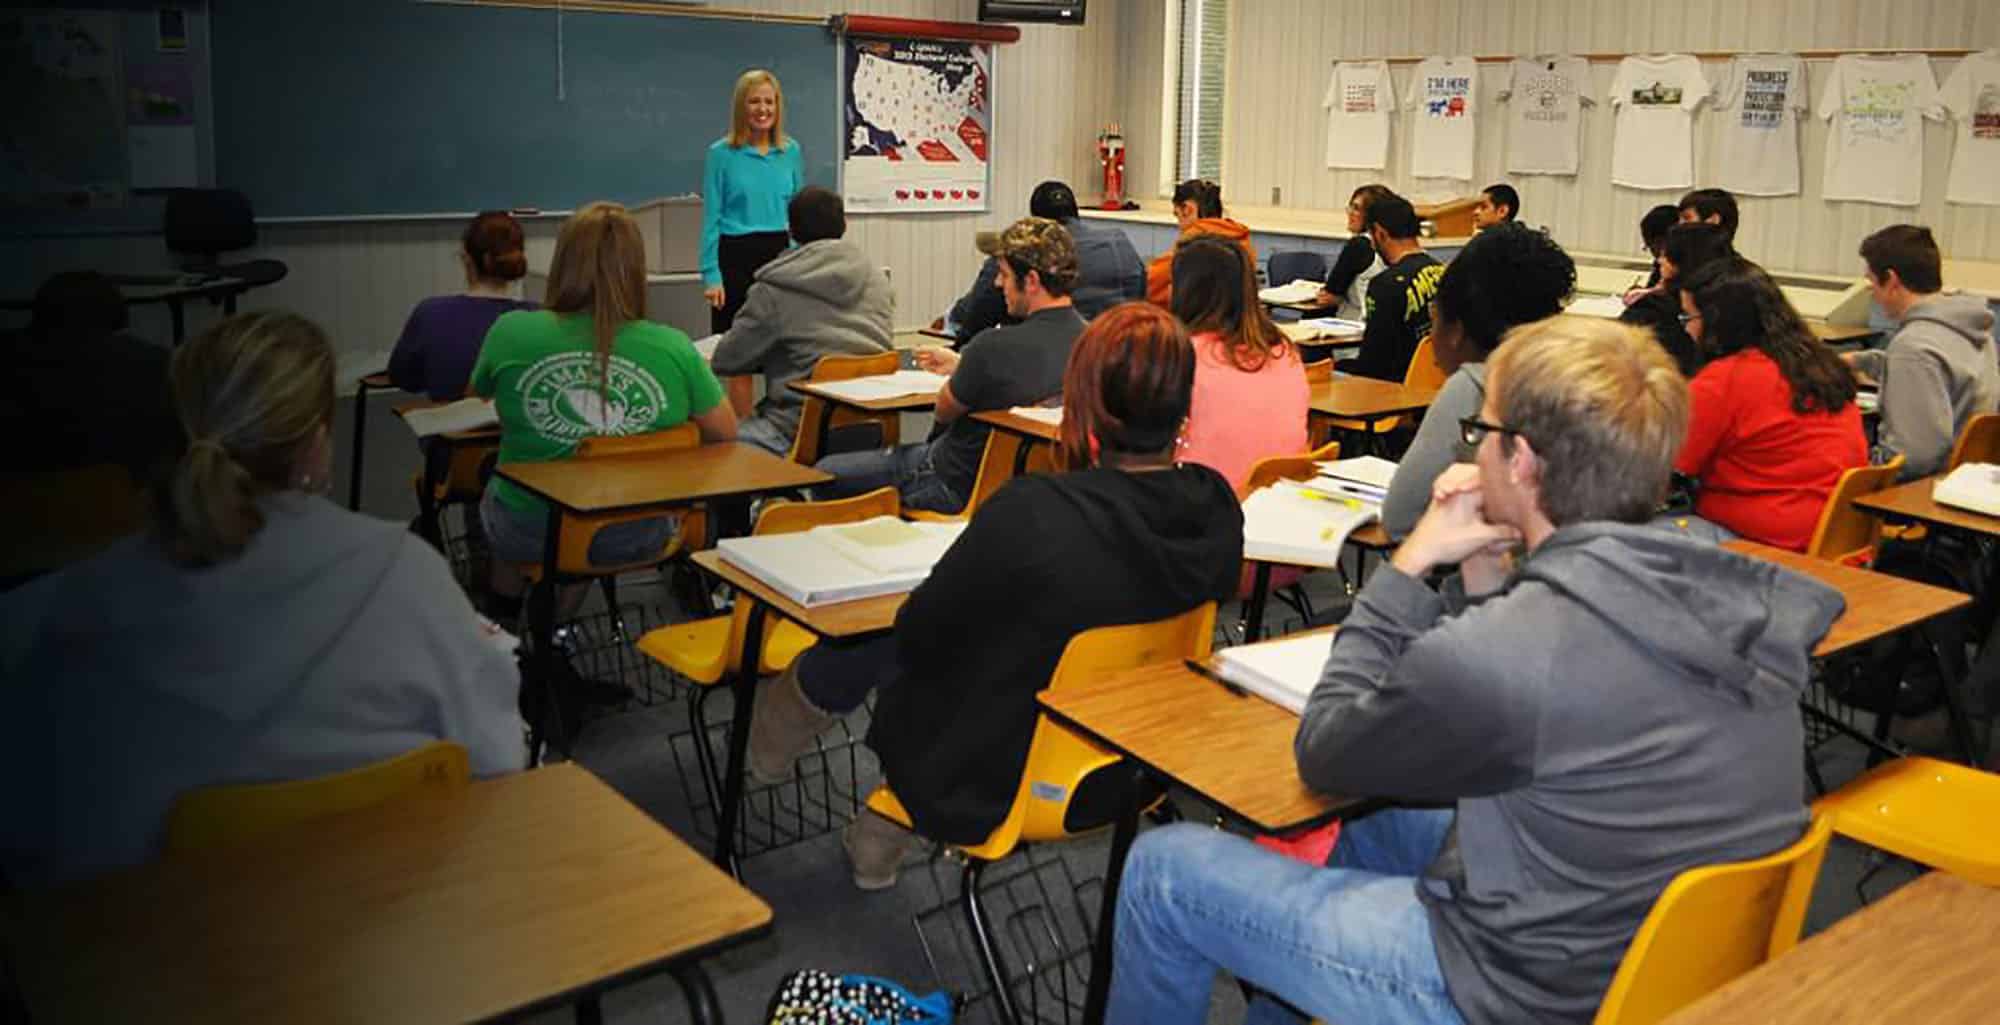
(378, 379)
(857, 618)
(1233, 751)
(899, 404)
(517, 892)
(1349, 396)
(1913, 501)
(1373, 537)
(1922, 954)
(1027, 427)
(615, 483)
(1839, 332)
(1877, 603)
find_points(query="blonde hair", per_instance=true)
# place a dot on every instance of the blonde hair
(600, 270)
(1605, 409)
(739, 117)
(250, 392)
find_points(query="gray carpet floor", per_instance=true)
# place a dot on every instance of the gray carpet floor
(1043, 902)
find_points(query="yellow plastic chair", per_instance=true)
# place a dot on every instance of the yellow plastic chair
(1423, 372)
(1711, 925)
(57, 517)
(1059, 763)
(817, 411)
(1299, 467)
(1979, 442)
(708, 651)
(1938, 813)
(1844, 533)
(210, 817)
(1318, 372)
(996, 468)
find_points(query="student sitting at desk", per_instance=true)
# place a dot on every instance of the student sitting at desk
(1938, 371)
(255, 632)
(1016, 365)
(823, 297)
(1508, 275)
(1108, 268)
(1399, 299)
(441, 340)
(1250, 390)
(1775, 423)
(1710, 206)
(77, 334)
(1653, 234)
(1128, 536)
(1620, 708)
(1686, 248)
(1198, 210)
(1498, 204)
(1345, 292)
(589, 363)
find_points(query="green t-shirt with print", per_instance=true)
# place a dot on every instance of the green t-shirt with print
(540, 370)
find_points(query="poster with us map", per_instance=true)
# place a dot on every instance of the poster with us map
(919, 121)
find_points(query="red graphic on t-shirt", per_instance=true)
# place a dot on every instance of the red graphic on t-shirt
(935, 151)
(974, 136)
(1456, 108)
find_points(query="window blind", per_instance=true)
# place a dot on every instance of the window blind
(1204, 38)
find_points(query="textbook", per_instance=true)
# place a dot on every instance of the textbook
(1291, 523)
(1051, 415)
(463, 415)
(843, 562)
(1974, 486)
(884, 386)
(1365, 476)
(1323, 327)
(1281, 672)
(1302, 290)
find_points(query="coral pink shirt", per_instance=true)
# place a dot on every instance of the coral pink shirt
(1239, 417)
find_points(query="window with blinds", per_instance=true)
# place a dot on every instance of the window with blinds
(1204, 38)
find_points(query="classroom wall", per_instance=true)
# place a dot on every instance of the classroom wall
(1283, 50)
(1054, 90)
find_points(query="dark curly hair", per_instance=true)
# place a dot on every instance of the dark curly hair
(1742, 308)
(1508, 275)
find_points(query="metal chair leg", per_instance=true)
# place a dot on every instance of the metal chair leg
(704, 755)
(703, 1007)
(989, 955)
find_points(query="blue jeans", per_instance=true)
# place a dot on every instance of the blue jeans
(1345, 943)
(766, 435)
(907, 468)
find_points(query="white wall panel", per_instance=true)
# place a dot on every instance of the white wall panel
(1284, 49)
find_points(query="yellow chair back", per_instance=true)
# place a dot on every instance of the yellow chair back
(573, 545)
(1978, 443)
(1319, 371)
(1424, 371)
(1845, 533)
(815, 411)
(215, 816)
(996, 468)
(1300, 467)
(790, 518)
(1934, 812)
(1711, 925)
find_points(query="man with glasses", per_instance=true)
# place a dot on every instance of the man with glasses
(1600, 706)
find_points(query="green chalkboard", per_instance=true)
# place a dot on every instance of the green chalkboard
(382, 107)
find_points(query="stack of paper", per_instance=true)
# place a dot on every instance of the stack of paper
(1974, 486)
(1363, 477)
(463, 415)
(1281, 672)
(1609, 307)
(1051, 415)
(841, 563)
(1303, 290)
(1290, 523)
(884, 386)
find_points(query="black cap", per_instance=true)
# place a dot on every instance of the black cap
(1053, 200)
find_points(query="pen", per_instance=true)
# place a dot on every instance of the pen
(1202, 670)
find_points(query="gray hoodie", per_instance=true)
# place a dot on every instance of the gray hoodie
(334, 640)
(1936, 373)
(1627, 708)
(821, 299)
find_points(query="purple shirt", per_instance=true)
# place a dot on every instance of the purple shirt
(441, 341)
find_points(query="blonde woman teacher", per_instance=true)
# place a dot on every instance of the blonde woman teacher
(750, 176)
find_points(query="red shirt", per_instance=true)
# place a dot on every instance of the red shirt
(1765, 469)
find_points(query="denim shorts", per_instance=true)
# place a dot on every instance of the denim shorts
(519, 537)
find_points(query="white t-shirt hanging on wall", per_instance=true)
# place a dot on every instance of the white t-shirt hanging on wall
(1758, 153)
(1876, 104)
(1972, 95)
(1652, 145)
(1359, 99)
(1545, 101)
(1443, 98)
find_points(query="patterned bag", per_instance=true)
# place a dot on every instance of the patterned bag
(812, 997)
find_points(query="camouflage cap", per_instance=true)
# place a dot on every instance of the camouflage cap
(1043, 246)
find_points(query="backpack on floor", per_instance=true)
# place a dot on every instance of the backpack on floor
(812, 997)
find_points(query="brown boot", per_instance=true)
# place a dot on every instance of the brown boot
(876, 848)
(783, 726)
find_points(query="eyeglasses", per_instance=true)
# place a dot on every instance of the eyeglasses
(1686, 318)
(1472, 430)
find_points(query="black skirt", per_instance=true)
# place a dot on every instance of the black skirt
(740, 256)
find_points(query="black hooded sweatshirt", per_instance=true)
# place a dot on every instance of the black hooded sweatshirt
(1044, 559)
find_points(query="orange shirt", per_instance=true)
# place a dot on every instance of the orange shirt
(1160, 272)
